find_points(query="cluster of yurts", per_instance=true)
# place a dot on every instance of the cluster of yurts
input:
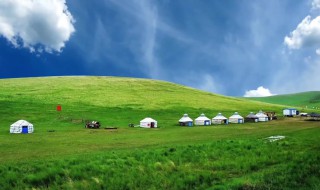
(220, 119)
(203, 120)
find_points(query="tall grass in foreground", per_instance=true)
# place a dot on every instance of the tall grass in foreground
(224, 164)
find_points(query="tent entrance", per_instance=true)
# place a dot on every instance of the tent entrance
(24, 129)
(152, 125)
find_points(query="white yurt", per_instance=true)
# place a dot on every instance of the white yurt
(252, 118)
(219, 119)
(202, 120)
(261, 116)
(185, 120)
(21, 126)
(236, 118)
(148, 122)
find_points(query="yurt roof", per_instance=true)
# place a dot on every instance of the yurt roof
(202, 117)
(148, 119)
(219, 116)
(261, 114)
(252, 116)
(21, 123)
(185, 118)
(236, 116)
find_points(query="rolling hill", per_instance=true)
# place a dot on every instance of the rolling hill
(62, 154)
(124, 99)
(114, 101)
(310, 100)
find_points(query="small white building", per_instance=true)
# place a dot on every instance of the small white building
(185, 121)
(290, 112)
(202, 120)
(21, 126)
(261, 116)
(236, 118)
(148, 122)
(219, 119)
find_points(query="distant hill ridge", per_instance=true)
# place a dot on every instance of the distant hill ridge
(309, 99)
(120, 92)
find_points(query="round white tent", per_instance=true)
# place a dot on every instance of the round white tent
(252, 118)
(21, 126)
(236, 118)
(219, 119)
(202, 120)
(148, 123)
(185, 120)
(261, 116)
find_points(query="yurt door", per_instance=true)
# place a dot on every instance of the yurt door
(152, 125)
(24, 129)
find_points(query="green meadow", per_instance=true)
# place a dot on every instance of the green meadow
(235, 156)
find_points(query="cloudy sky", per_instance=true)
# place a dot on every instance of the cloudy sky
(230, 47)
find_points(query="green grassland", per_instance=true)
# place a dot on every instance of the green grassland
(169, 157)
(310, 100)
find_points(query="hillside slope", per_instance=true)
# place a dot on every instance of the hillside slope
(118, 92)
(112, 100)
(305, 99)
(62, 154)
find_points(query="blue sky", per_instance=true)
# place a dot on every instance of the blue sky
(230, 47)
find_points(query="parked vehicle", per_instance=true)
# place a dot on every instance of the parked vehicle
(93, 125)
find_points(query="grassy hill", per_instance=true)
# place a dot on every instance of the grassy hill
(114, 101)
(310, 100)
(170, 157)
(117, 92)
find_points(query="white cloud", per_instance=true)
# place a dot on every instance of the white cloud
(318, 51)
(145, 16)
(307, 34)
(260, 92)
(208, 83)
(149, 41)
(315, 4)
(36, 24)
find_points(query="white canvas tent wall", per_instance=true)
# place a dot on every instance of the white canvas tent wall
(236, 118)
(261, 116)
(290, 112)
(148, 123)
(202, 120)
(219, 119)
(21, 126)
(185, 120)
